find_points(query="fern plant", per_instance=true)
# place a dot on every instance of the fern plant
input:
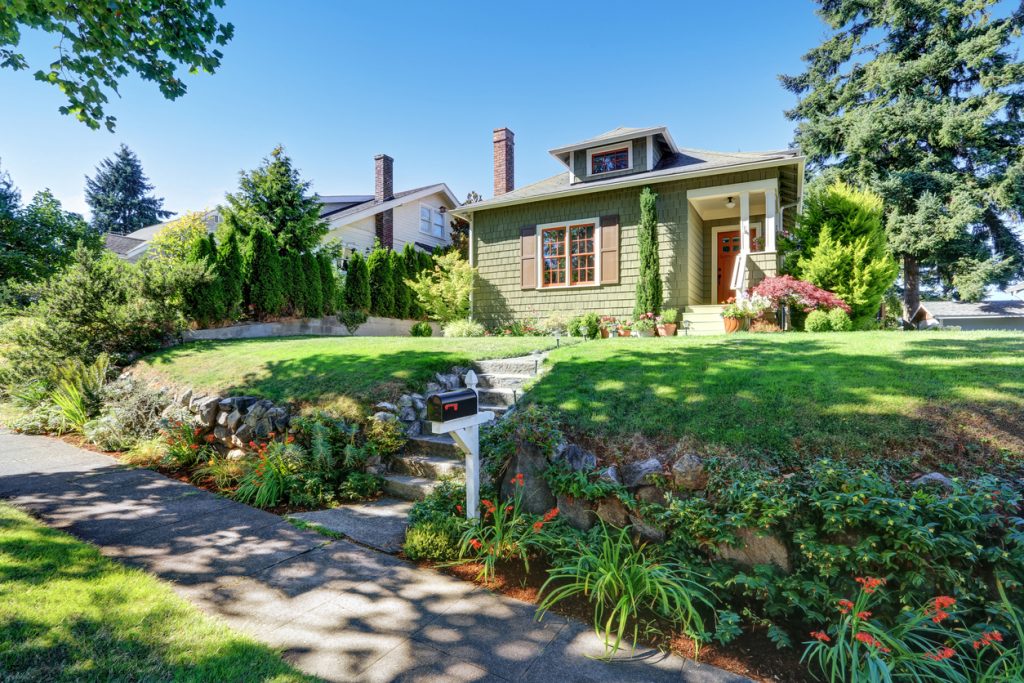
(71, 401)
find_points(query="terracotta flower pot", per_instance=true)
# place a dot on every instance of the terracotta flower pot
(604, 333)
(667, 329)
(732, 325)
(646, 333)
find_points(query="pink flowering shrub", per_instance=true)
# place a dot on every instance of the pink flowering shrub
(784, 290)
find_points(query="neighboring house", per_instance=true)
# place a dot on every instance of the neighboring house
(132, 246)
(419, 216)
(984, 315)
(125, 247)
(569, 243)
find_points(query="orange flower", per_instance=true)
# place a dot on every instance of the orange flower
(210, 438)
(550, 514)
(194, 446)
(271, 435)
(517, 480)
(940, 654)
(938, 605)
(197, 431)
(252, 444)
(869, 583)
(475, 544)
(821, 635)
(845, 606)
(987, 639)
(871, 641)
(508, 508)
(290, 439)
(864, 615)
(458, 508)
(537, 526)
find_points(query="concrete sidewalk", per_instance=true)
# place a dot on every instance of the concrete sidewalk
(335, 609)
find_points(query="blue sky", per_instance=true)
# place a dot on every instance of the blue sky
(337, 82)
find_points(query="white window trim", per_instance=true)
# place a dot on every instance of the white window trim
(609, 148)
(433, 213)
(596, 222)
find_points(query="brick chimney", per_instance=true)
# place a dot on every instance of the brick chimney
(504, 161)
(384, 190)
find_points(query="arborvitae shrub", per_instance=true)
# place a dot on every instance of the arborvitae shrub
(403, 297)
(230, 270)
(328, 283)
(411, 260)
(648, 285)
(382, 288)
(357, 284)
(205, 302)
(314, 297)
(266, 289)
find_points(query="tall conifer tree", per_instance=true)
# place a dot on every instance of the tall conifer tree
(648, 284)
(120, 196)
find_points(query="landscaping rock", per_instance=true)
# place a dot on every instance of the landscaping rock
(206, 409)
(754, 548)
(933, 479)
(222, 433)
(579, 459)
(233, 420)
(433, 388)
(243, 434)
(236, 454)
(652, 494)
(612, 511)
(611, 474)
(637, 473)
(647, 532)
(385, 417)
(407, 414)
(414, 429)
(242, 403)
(222, 418)
(578, 514)
(531, 463)
(184, 398)
(405, 401)
(385, 406)
(263, 428)
(688, 473)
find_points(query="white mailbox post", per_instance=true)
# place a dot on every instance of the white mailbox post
(466, 432)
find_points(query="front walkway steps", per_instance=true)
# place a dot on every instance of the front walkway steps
(429, 458)
(379, 524)
(704, 320)
(336, 610)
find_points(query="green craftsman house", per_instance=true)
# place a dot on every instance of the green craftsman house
(568, 243)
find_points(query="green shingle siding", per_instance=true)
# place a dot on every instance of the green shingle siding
(639, 161)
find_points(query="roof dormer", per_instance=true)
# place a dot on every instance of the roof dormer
(618, 152)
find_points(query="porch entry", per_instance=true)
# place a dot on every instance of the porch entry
(728, 247)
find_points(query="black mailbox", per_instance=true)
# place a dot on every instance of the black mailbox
(451, 405)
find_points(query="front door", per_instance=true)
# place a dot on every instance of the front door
(727, 250)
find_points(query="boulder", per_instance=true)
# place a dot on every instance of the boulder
(433, 388)
(405, 401)
(233, 420)
(414, 429)
(222, 419)
(612, 511)
(688, 473)
(529, 461)
(647, 532)
(576, 457)
(206, 409)
(279, 418)
(262, 429)
(385, 406)
(236, 454)
(385, 417)
(242, 403)
(184, 398)
(611, 474)
(244, 434)
(578, 514)
(754, 548)
(407, 414)
(637, 473)
(222, 433)
(652, 494)
(933, 479)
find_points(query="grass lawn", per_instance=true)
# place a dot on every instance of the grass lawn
(326, 370)
(69, 614)
(950, 395)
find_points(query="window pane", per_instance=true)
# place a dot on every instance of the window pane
(438, 224)
(612, 160)
(553, 253)
(581, 252)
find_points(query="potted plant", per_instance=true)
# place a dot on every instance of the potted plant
(645, 325)
(625, 328)
(668, 323)
(608, 325)
(733, 315)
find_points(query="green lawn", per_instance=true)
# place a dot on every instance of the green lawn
(69, 614)
(326, 369)
(951, 395)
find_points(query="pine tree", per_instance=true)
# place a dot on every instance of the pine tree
(403, 297)
(119, 196)
(357, 284)
(314, 289)
(411, 261)
(205, 302)
(266, 289)
(274, 195)
(328, 282)
(923, 105)
(841, 238)
(231, 272)
(648, 284)
(382, 287)
(294, 281)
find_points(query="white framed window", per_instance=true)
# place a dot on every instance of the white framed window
(431, 221)
(569, 254)
(610, 159)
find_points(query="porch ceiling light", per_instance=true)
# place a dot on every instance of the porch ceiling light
(729, 203)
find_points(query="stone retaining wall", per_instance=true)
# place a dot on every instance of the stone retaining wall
(328, 326)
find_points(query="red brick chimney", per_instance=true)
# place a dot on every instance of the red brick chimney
(384, 190)
(504, 161)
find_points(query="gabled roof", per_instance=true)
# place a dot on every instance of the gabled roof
(121, 244)
(372, 207)
(615, 135)
(964, 309)
(683, 162)
(211, 216)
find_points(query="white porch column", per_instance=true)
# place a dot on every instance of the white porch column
(769, 220)
(744, 223)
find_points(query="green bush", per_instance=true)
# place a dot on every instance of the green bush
(352, 319)
(265, 285)
(648, 285)
(385, 437)
(464, 328)
(817, 321)
(231, 270)
(130, 414)
(205, 303)
(314, 292)
(272, 481)
(328, 283)
(294, 282)
(839, 320)
(421, 329)
(411, 260)
(587, 325)
(382, 286)
(357, 284)
(443, 290)
(435, 540)
(360, 486)
(403, 295)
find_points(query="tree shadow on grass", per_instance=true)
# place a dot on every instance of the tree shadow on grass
(755, 396)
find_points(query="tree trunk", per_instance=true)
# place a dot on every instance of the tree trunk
(911, 287)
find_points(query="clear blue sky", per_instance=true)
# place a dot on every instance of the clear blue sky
(337, 82)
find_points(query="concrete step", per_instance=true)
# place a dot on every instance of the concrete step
(378, 523)
(428, 466)
(497, 381)
(497, 410)
(704, 308)
(524, 365)
(499, 397)
(433, 444)
(702, 316)
(408, 487)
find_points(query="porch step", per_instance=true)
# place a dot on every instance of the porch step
(408, 487)
(704, 319)
(428, 466)
(499, 381)
(499, 397)
(433, 444)
(524, 365)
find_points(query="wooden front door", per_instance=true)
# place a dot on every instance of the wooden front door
(727, 247)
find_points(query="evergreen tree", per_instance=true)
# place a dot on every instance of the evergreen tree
(314, 296)
(648, 284)
(294, 281)
(411, 261)
(328, 282)
(382, 287)
(922, 103)
(120, 196)
(232, 275)
(841, 238)
(266, 289)
(204, 303)
(357, 284)
(403, 297)
(274, 195)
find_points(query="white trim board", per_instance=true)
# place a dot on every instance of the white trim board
(609, 148)
(734, 189)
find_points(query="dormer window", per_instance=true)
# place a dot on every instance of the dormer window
(610, 159)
